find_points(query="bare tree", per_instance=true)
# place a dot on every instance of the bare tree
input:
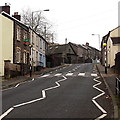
(39, 23)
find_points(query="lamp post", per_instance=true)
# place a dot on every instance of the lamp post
(98, 39)
(105, 46)
(30, 59)
(40, 13)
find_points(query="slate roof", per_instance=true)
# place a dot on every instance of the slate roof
(56, 49)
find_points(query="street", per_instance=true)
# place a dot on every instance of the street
(74, 91)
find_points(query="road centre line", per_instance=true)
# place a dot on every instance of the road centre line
(6, 113)
(35, 100)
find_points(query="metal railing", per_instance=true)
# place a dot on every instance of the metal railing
(117, 86)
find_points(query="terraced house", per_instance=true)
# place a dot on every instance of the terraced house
(39, 46)
(20, 45)
(6, 41)
(112, 40)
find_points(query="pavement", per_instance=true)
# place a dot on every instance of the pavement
(110, 82)
(12, 82)
(108, 78)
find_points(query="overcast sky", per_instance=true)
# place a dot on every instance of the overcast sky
(75, 20)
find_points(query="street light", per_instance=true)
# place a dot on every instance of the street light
(31, 46)
(98, 39)
(40, 13)
(105, 46)
(30, 59)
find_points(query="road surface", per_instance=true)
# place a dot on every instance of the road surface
(75, 91)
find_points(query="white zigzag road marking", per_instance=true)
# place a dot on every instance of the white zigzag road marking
(32, 101)
(94, 99)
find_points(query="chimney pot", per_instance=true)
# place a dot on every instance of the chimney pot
(15, 13)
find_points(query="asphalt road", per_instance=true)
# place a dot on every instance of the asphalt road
(75, 91)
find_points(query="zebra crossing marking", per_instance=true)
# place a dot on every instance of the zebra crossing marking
(81, 74)
(94, 75)
(58, 74)
(69, 74)
(45, 75)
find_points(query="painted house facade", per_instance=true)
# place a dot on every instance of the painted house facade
(112, 40)
(21, 50)
(38, 50)
(18, 38)
(6, 41)
(113, 46)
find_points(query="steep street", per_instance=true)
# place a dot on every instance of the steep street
(75, 91)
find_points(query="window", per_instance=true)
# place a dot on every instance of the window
(25, 35)
(37, 41)
(32, 38)
(18, 33)
(40, 44)
(43, 46)
(24, 57)
(18, 55)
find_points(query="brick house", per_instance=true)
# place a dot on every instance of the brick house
(59, 54)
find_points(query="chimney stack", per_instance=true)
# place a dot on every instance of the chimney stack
(87, 44)
(5, 8)
(17, 16)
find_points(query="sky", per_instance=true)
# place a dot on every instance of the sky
(75, 20)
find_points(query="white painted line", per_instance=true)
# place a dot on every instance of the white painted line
(69, 74)
(45, 75)
(6, 113)
(81, 74)
(32, 101)
(102, 116)
(100, 108)
(94, 75)
(29, 102)
(17, 85)
(58, 74)
(94, 99)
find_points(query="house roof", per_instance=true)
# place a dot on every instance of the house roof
(14, 19)
(115, 40)
(114, 28)
(58, 49)
(74, 47)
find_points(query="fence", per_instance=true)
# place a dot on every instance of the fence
(11, 70)
(117, 86)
